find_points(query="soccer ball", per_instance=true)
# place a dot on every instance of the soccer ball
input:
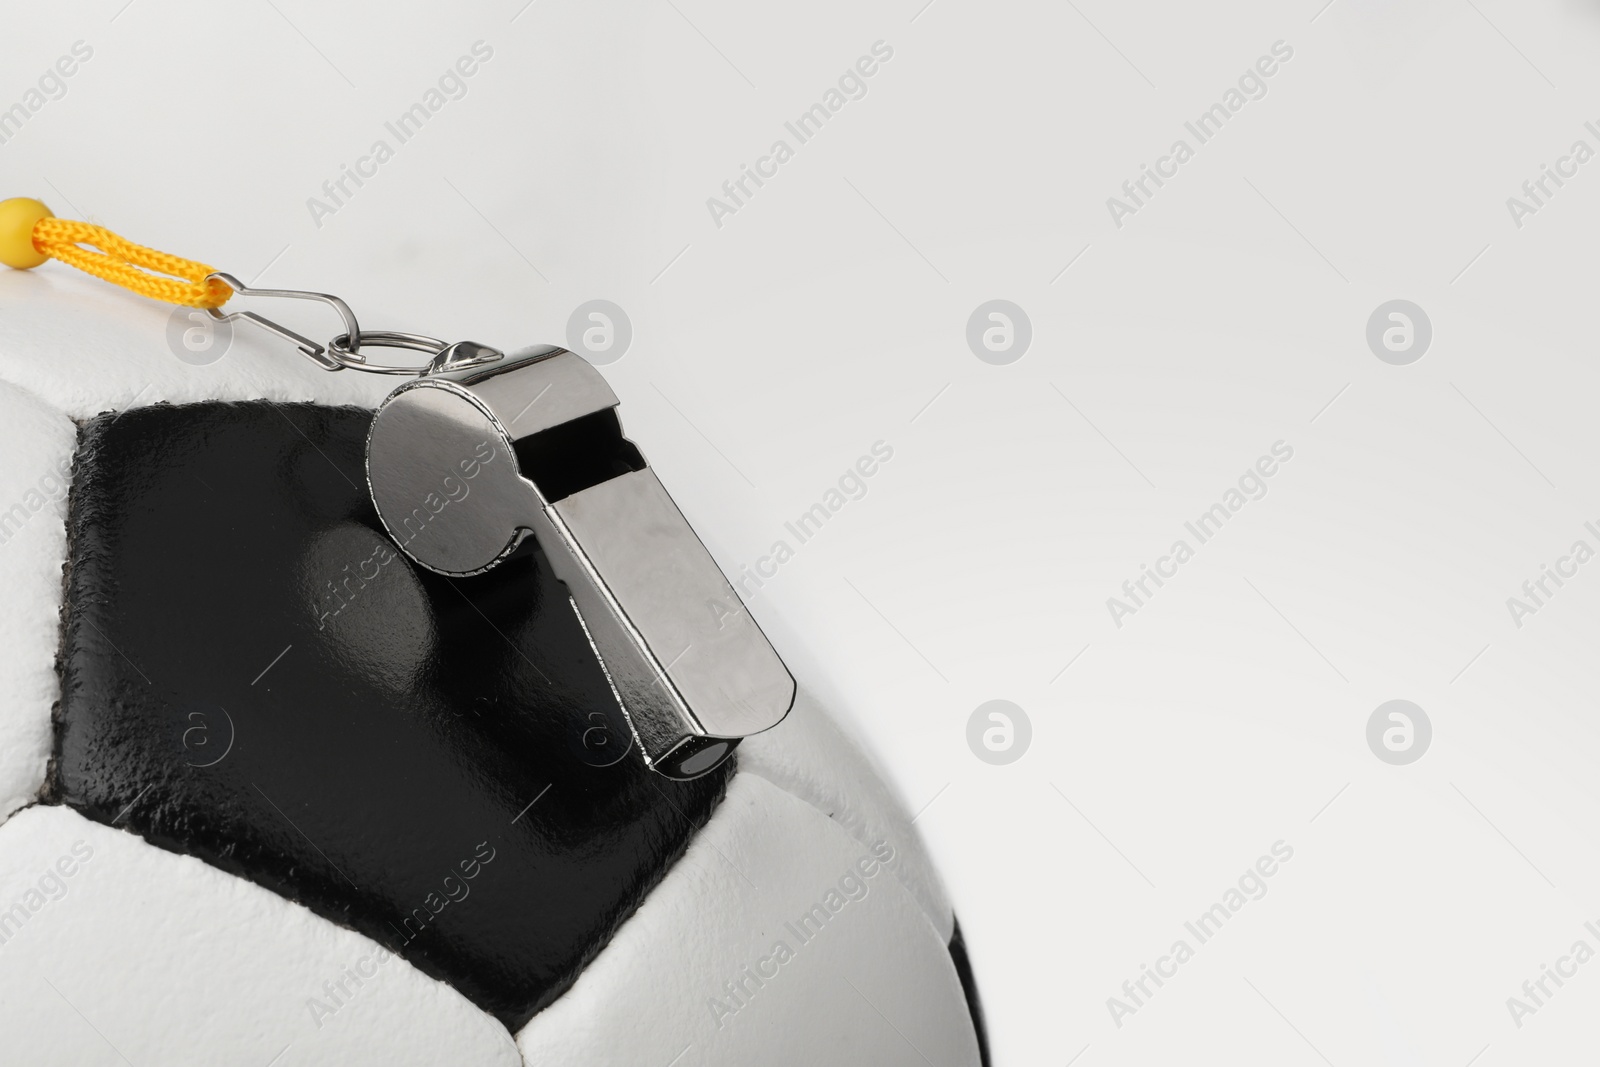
(270, 794)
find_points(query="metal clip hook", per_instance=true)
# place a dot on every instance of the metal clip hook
(344, 351)
(318, 354)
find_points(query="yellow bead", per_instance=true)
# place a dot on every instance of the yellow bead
(17, 217)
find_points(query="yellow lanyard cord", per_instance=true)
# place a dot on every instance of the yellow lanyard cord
(31, 234)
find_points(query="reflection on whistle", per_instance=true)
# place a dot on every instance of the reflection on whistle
(691, 669)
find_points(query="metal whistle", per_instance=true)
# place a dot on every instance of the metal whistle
(483, 449)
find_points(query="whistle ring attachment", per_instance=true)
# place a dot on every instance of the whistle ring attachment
(318, 354)
(347, 354)
(467, 460)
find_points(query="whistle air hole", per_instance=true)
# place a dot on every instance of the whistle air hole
(695, 756)
(705, 759)
(577, 455)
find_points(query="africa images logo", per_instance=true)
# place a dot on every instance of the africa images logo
(852, 85)
(1251, 485)
(1252, 85)
(1250, 886)
(49, 86)
(50, 887)
(851, 886)
(450, 85)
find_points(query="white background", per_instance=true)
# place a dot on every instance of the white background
(830, 312)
